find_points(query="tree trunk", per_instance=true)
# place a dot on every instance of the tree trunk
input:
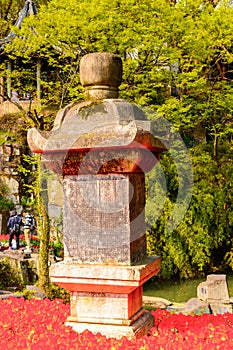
(1, 90)
(44, 228)
(215, 146)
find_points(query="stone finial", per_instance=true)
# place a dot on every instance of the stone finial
(100, 74)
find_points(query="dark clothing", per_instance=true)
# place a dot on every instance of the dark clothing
(10, 224)
(14, 220)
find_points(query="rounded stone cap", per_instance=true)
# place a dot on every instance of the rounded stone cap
(100, 74)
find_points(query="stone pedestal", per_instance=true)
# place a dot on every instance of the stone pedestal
(103, 148)
(107, 299)
(139, 328)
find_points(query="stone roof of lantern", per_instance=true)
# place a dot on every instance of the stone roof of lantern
(28, 9)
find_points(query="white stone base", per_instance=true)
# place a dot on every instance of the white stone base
(137, 329)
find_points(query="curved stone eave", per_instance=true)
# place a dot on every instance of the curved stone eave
(61, 140)
(37, 140)
(114, 135)
(105, 124)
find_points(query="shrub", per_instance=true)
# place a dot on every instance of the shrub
(9, 277)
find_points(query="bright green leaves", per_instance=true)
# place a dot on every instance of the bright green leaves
(167, 49)
(203, 239)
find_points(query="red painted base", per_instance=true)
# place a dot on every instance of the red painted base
(105, 298)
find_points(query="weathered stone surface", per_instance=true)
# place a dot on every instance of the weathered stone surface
(111, 123)
(102, 161)
(4, 215)
(106, 278)
(107, 308)
(103, 148)
(37, 292)
(214, 289)
(156, 302)
(137, 329)
(55, 190)
(100, 74)
(214, 292)
(25, 265)
(193, 306)
(6, 294)
(106, 296)
(221, 308)
(108, 222)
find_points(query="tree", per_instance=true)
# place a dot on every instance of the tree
(177, 58)
(8, 14)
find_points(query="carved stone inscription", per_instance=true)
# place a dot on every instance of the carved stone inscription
(97, 218)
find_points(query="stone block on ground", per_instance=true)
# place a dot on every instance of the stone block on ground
(214, 289)
(37, 292)
(220, 308)
(156, 302)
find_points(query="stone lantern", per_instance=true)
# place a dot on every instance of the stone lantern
(103, 147)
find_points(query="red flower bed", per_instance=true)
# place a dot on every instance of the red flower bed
(39, 325)
(35, 241)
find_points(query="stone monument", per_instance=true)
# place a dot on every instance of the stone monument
(214, 292)
(103, 147)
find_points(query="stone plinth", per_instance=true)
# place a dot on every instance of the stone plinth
(108, 278)
(107, 299)
(138, 329)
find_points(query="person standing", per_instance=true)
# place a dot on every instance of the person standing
(13, 225)
(27, 226)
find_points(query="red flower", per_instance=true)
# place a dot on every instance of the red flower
(40, 324)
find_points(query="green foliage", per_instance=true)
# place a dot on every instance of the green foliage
(203, 240)
(58, 247)
(9, 277)
(6, 203)
(13, 139)
(177, 59)
(28, 202)
(9, 11)
(165, 66)
(27, 294)
(56, 291)
(27, 171)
